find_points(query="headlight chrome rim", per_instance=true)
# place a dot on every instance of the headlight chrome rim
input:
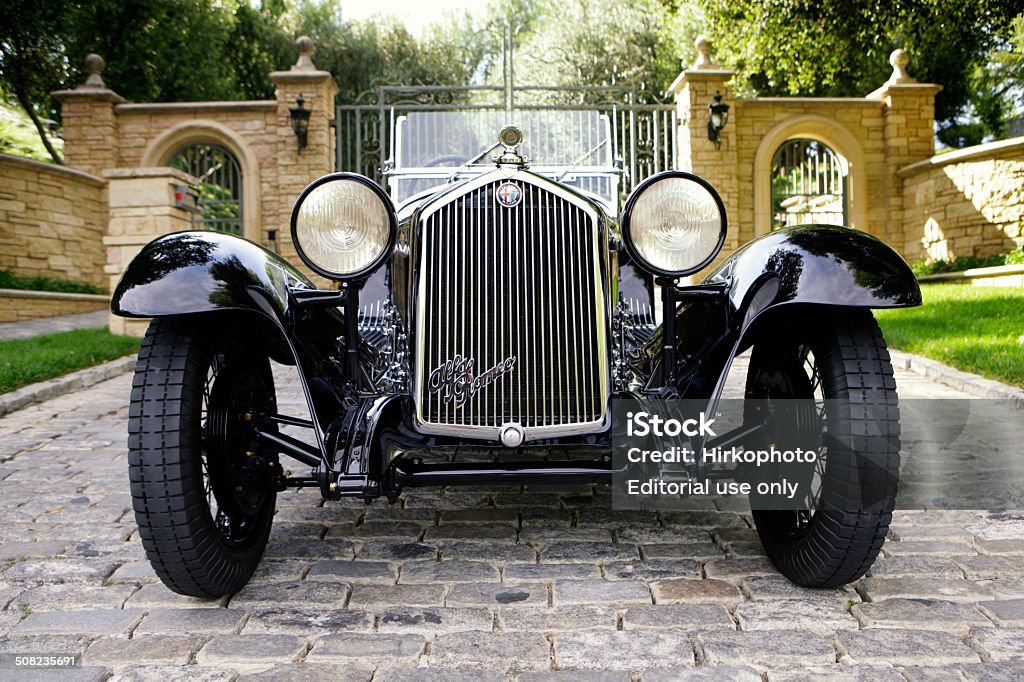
(627, 214)
(385, 202)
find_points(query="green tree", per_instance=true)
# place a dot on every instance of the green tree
(379, 51)
(31, 57)
(156, 50)
(602, 43)
(997, 89)
(840, 47)
(258, 44)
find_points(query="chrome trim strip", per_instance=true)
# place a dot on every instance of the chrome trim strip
(534, 433)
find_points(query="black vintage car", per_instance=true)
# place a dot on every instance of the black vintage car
(502, 303)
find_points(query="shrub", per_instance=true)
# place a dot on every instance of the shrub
(921, 268)
(8, 280)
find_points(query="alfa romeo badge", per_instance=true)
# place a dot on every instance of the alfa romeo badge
(508, 194)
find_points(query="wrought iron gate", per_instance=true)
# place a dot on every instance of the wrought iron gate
(220, 186)
(644, 135)
(808, 184)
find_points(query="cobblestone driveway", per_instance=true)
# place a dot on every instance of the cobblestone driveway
(481, 584)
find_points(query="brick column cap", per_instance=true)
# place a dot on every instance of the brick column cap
(899, 89)
(705, 75)
(93, 87)
(900, 82)
(95, 94)
(312, 78)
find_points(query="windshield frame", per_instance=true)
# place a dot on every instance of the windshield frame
(577, 173)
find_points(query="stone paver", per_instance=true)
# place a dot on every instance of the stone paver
(306, 620)
(621, 650)
(507, 651)
(794, 614)
(431, 620)
(688, 591)
(208, 621)
(559, 618)
(153, 649)
(251, 652)
(681, 616)
(904, 647)
(998, 644)
(387, 650)
(105, 622)
(763, 648)
(483, 583)
(920, 614)
(520, 594)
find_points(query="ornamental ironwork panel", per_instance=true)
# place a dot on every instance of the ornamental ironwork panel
(644, 135)
(808, 184)
(220, 186)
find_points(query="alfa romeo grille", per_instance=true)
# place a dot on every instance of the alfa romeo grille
(512, 316)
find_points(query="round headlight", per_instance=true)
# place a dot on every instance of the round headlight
(674, 223)
(343, 225)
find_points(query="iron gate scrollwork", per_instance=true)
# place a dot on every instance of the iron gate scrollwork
(808, 184)
(220, 186)
(644, 135)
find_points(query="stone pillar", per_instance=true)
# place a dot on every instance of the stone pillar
(90, 125)
(297, 168)
(142, 208)
(909, 131)
(694, 90)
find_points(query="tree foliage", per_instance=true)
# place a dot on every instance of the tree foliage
(183, 50)
(30, 57)
(997, 88)
(841, 47)
(364, 54)
(601, 43)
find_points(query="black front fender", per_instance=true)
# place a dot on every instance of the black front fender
(810, 264)
(198, 272)
(821, 264)
(212, 278)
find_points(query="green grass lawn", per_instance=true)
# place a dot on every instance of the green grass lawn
(26, 361)
(976, 329)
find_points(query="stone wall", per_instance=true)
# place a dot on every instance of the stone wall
(52, 220)
(969, 202)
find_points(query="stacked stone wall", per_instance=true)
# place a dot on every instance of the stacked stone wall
(52, 221)
(965, 203)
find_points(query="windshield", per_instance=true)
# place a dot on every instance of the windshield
(433, 148)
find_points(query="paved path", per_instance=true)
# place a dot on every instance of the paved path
(52, 325)
(481, 584)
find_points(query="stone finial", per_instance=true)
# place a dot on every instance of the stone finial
(703, 46)
(899, 60)
(305, 47)
(94, 64)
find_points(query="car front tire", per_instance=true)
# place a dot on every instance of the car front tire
(204, 513)
(838, 358)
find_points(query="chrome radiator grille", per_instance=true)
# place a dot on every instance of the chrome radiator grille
(511, 326)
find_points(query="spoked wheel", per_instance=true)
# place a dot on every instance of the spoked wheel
(834, 381)
(202, 489)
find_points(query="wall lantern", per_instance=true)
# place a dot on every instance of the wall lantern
(300, 121)
(717, 120)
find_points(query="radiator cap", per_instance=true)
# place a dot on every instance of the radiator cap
(512, 435)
